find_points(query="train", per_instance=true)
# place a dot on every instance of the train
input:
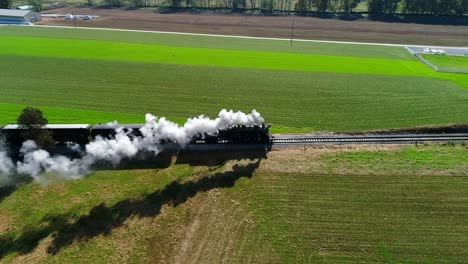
(84, 133)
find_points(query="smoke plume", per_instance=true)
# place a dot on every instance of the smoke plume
(37, 162)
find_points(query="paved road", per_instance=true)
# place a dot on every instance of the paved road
(249, 37)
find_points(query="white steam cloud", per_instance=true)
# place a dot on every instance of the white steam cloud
(6, 166)
(36, 161)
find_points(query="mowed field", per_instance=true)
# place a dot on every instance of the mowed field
(366, 204)
(454, 62)
(91, 76)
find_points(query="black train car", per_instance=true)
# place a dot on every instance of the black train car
(108, 131)
(205, 139)
(82, 134)
(62, 134)
(237, 135)
(245, 135)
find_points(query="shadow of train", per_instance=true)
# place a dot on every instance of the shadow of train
(102, 219)
(203, 155)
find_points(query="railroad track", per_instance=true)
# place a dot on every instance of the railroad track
(369, 139)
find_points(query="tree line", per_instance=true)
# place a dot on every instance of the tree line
(430, 7)
(374, 7)
(36, 4)
(435, 7)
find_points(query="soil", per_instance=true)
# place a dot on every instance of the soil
(267, 26)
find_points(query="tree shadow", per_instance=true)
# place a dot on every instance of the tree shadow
(102, 219)
(13, 185)
(6, 191)
(446, 20)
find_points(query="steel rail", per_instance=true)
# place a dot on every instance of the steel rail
(370, 139)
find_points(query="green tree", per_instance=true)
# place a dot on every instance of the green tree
(452, 7)
(429, 7)
(382, 7)
(435, 7)
(335, 6)
(448, 7)
(462, 7)
(36, 4)
(410, 6)
(301, 6)
(5, 4)
(322, 5)
(33, 121)
(238, 4)
(355, 3)
(349, 5)
(112, 3)
(267, 6)
(136, 3)
(175, 3)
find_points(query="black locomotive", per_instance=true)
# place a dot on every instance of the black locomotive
(84, 133)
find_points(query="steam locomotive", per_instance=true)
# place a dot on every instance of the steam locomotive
(83, 133)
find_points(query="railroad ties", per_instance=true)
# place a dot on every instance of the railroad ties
(369, 139)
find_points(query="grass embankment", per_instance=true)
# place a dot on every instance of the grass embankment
(98, 73)
(453, 62)
(367, 204)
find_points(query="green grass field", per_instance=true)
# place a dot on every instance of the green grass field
(210, 42)
(301, 206)
(454, 62)
(89, 76)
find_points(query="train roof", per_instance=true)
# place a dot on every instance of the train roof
(54, 126)
(113, 126)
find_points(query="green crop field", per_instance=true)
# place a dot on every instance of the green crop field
(454, 62)
(297, 206)
(90, 76)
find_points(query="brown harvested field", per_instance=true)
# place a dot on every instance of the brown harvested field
(268, 26)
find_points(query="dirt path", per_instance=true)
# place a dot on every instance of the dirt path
(269, 26)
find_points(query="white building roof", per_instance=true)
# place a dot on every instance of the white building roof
(25, 7)
(13, 12)
(60, 126)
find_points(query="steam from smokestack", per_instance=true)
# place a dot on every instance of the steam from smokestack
(156, 130)
(6, 166)
(37, 161)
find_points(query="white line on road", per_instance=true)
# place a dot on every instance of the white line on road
(249, 37)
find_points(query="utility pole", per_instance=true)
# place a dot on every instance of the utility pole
(292, 29)
(74, 19)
